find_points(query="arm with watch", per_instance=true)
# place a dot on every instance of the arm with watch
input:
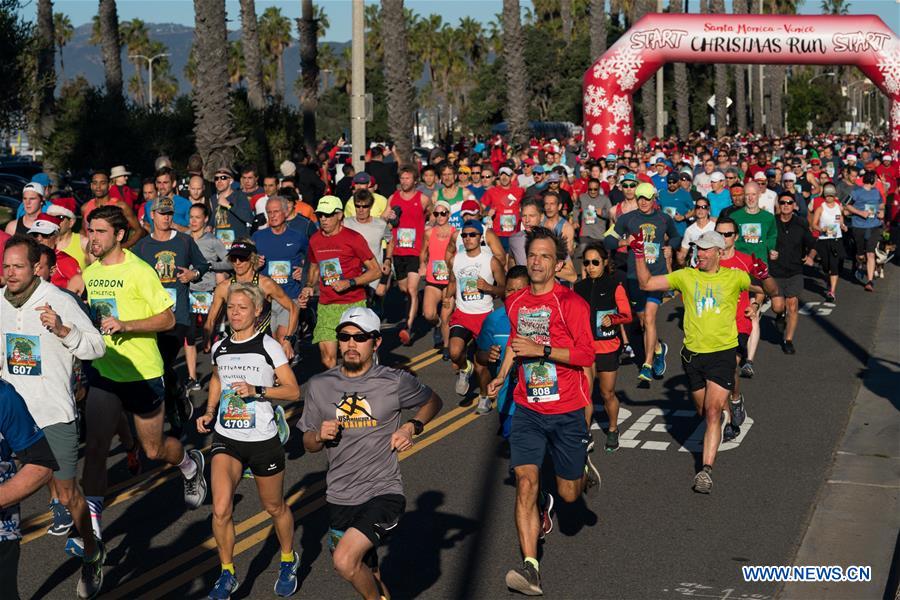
(402, 438)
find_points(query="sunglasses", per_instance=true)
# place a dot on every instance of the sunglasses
(234, 259)
(362, 206)
(593, 189)
(471, 234)
(592, 262)
(359, 338)
(222, 177)
(322, 215)
(440, 213)
(730, 177)
(487, 176)
(476, 172)
(784, 202)
(727, 233)
(701, 206)
(628, 186)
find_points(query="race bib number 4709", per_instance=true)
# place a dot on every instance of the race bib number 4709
(235, 413)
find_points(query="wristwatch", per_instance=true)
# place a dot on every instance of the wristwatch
(547, 351)
(352, 282)
(261, 391)
(418, 426)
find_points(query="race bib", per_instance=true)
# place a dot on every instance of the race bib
(469, 289)
(23, 354)
(330, 271)
(234, 413)
(439, 271)
(104, 307)
(507, 223)
(602, 332)
(406, 237)
(751, 232)
(541, 384)
(872, 208)
(590, 215)
(670, 210)
(832, 230)
(280, 271)
(200, 302)
(226, 236)
(651, 252)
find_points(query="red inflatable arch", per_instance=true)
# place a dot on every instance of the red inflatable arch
(864, 41)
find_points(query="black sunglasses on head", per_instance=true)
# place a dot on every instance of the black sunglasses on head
(359, 338)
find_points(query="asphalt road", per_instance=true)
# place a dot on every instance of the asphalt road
(644, 534)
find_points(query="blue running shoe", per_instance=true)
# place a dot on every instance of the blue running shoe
(284, 432)
(62, 520)
(225, 586)
(659, 360)
(646, 373)
(75, 547)
(286, 584)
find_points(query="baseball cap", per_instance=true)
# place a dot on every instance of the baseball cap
(45, 225)
(443, 204)
(465, 169)
(829, 189)
(164, 206)
(717, 176)
(628, 177)
(711, 239)
(770, 172)
(645, 190)
(505, 170)
(611, 158)
(851, 158)
(41, 178)
(328, 205)
(242, 250)
(363, 318)
(685, 176)
(789, 177)
(672, 178)
(469, 206)
(287, 169)
(62, 207)
(473, 224)
(539, 168)
(34, 187)
(759, 176)
(553, 177)
(362, 178)
(226, 170)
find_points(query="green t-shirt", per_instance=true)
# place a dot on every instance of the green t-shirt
(710, 306)
(756, 234)
(127, 291)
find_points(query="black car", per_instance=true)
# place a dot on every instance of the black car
(22, 168)
(11, 185)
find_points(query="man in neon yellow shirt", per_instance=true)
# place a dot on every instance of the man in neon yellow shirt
(711, 295)
(129, 306)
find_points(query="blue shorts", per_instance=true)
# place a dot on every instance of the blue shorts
(640, 298)
(504, 241)
(564, 435)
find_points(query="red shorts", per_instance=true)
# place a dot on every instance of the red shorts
(469, 322)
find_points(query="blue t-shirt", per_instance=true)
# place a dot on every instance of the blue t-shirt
(182, 213)
(284, 252)
(20, 212)
(679, 202)
(718, 201)
(863, 199)
(477, 191)
(659, 181)
(495, 332)
(18, 432)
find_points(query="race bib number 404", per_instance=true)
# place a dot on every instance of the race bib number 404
(541, 383)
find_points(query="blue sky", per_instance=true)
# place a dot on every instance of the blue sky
(182, 11)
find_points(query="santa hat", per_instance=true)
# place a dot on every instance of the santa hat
(62, 207)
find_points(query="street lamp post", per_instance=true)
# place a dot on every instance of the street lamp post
(149, 60)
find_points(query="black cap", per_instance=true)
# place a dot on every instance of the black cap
(672, 177)
(242, 250)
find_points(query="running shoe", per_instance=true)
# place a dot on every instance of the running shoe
(445, 354)
(702, 482)
(75, 547)
(730, 432)
(747, 370)
(766, 305)
(627, 353)
(593, 477)
(225, 586)
(437, 337)
(659, 360)
(195, 487)
(91, 579)
(192, 385)
(646, 373)
(590, 447)
(133, 461)
(62, 519)
(869, 287)
(780, 323)
(525, 580)
(829, 297)
(405, 338)
(462, 378)
(286, 584)
(284, 432)
(860, 276)
(738, 413)
(787, 346)
(612, 441)
(546, 511)
(484, 406)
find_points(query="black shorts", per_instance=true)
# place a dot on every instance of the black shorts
(564, 435)
(607, 361)
(640, 298)
(9, 568)
(866, 239)
(790, 287)
(438, 286)
(137, 397)
(717, 367)
(194, 335)
(831, 253)
(404, 265)
(375, 518)
(265, 458)
(743, 339)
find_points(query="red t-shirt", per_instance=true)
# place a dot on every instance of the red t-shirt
(409, 233)
(507, 213)
(339, 256)
(741, 262)
(562, 316)
(579, 187)
(66, 268)
(123, 193)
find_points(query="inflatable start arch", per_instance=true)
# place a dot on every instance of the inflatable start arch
(864, 41)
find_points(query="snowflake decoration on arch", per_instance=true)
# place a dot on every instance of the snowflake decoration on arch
(620, 108)
(895, 113)
(626, 129)
(889, 67)
(596, 129)
(895, 134)
(612, 129)
(623, 66)
(590, 146)
(611, 145)
(594, 100)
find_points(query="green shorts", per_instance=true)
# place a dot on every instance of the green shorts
(328, 317)
(63, 441)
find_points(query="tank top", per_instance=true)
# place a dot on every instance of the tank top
(455, 203)
(75, 251)
(829, 224)
(410, 230)
(467, 269)
(264, 319)
(558, 228)
(21, 227)
(436, 271)
(600, 294)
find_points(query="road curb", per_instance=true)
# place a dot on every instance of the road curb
(857, 515)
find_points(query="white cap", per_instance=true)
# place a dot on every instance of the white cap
(359, 316)
(717, 176)
(44, 227)
(851, 157)
(505, 171)
(34, 187)
(789, 177)
(288, 169)
(711, 239)
(443, 203)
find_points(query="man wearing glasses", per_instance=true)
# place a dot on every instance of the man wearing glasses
(340, 266)
(702, 223)
(593, 216)
(67, 274)
(233, 213)
(719, 196)
(477, 186)
(376, 231)
(502, 205)
(676, 202)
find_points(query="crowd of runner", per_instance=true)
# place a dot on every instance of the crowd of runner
(536, 272)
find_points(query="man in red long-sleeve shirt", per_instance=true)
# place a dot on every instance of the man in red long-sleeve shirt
(551, 342)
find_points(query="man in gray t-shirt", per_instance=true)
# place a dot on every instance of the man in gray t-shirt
(593, 215)
(375, 230)
(353, 412)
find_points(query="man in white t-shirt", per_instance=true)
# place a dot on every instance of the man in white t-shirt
(767, 197)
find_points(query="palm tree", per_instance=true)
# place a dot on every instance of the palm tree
(682, 90)
(835, 7)
(565, 16)
(739, 7)
(721, 81)
(237, 69)
(275, 37)
(252, 60)
(63, 32)
(397, 79)
(111, 47)
(46, 68)
(756, 74)
(598, 28)
(322, 19)
(648, 90)
(778, 74)
(213, 127)
(137, 40)
(514, 63)
(307, 27)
